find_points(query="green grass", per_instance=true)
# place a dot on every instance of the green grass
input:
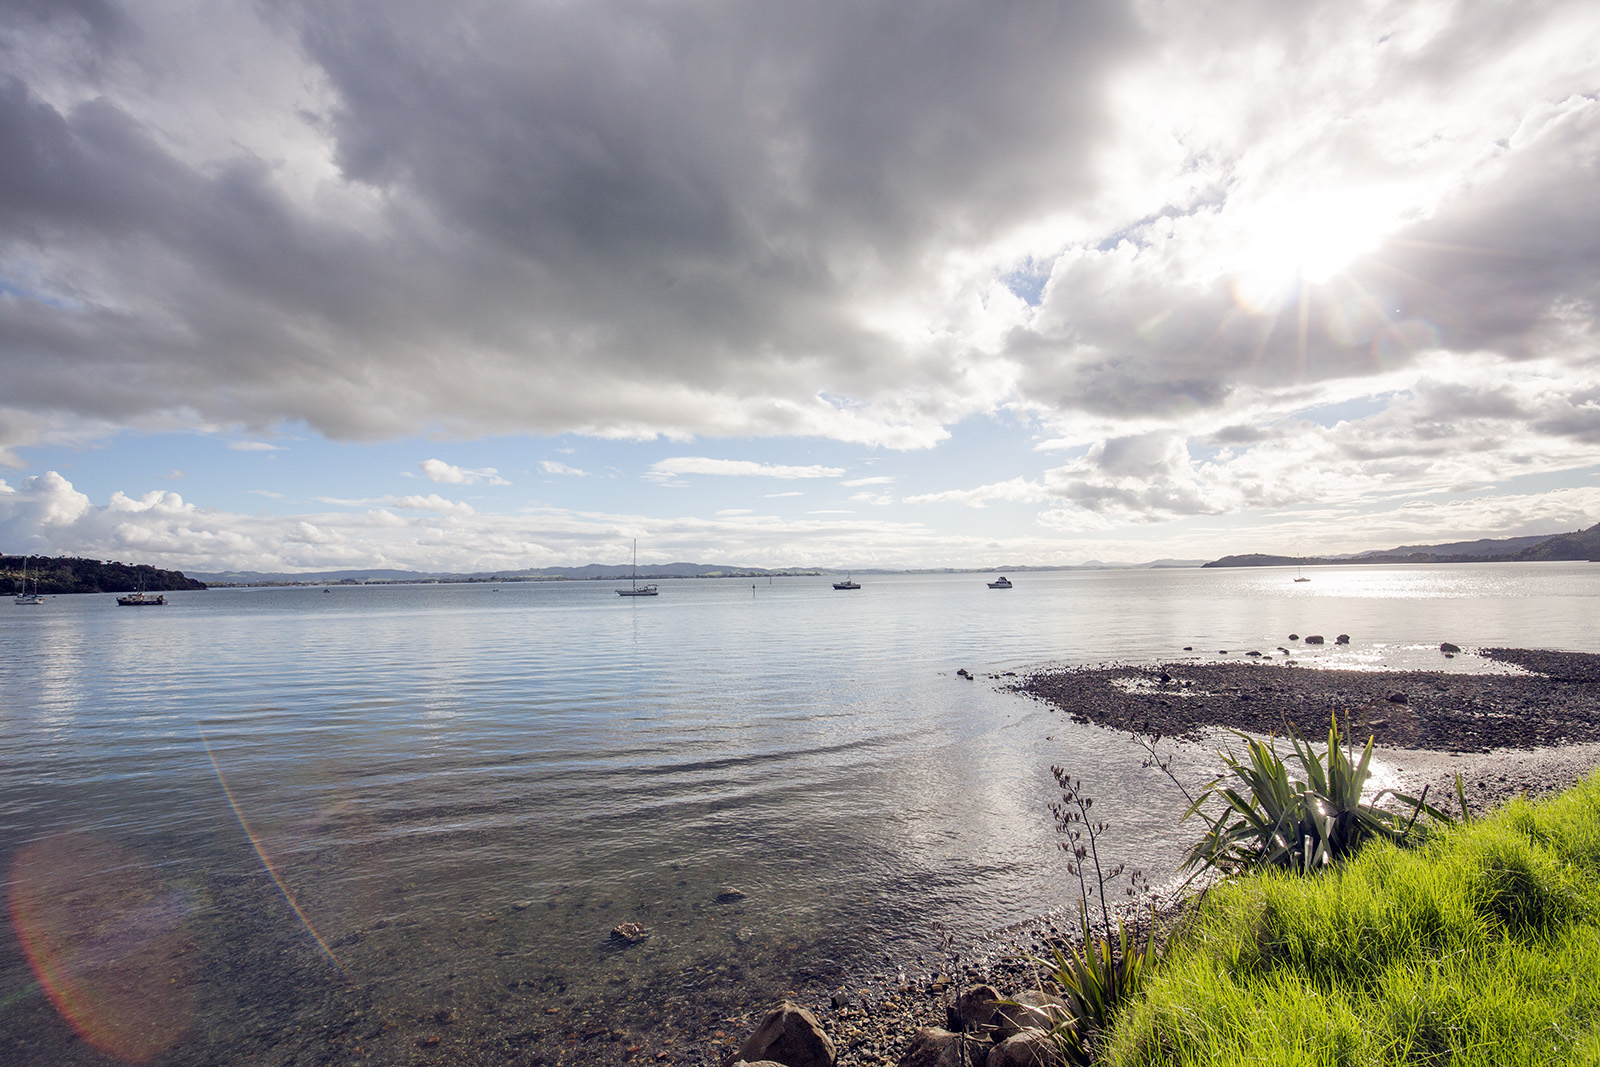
(1480, 946)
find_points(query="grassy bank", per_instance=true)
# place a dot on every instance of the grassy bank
(1480, 947)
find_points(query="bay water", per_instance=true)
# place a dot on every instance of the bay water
(437, 801)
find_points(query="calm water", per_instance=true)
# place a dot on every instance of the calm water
(434, 802)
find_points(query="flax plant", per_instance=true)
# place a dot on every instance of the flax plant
(1271, 816)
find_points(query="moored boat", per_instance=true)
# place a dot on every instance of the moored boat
(23, 596)
(1001, 582)
(141, 599)
(848, 583)
(635, 589)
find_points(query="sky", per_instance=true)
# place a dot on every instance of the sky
(294, 285)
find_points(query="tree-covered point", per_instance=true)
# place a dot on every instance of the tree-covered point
(70, 574)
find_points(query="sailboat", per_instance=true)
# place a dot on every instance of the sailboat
(636, 589)
(1298, 577)
(23, 596)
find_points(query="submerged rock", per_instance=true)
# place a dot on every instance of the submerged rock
(629, 933)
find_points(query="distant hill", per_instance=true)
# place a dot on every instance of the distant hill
(1581, 545)
(1482, 547)
(589, 571)
(1584, 544)
(619, 572)
(70, 574)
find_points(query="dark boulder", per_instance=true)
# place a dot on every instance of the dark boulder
(791, 1036)
(932, 1047)
(1030, 1048)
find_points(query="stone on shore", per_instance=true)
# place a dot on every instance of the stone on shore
(789, 1035)
(1028, 1010)
(974, 1009)
(1030, 1048)
(932, 1047)
(1448, 647)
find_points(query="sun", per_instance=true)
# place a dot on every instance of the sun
(1305, 239)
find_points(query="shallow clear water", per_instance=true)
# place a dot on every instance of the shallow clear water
(438, 794)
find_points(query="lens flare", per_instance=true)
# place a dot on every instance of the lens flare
(266, 860)
(108, 942)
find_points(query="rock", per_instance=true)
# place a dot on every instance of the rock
(730, 895)
(1342, 639)
(629, 933)
(1188, 648)
(757, 1063)
(1252, 652)
(964, 673)
(1031, 1048)
(1398, 698)
(1448, 647)
(1294, 637)
(1313, 639)
(1165, 678)
(1028, 1010)
(791, 1036)
(974, 1009)
(932, 1047)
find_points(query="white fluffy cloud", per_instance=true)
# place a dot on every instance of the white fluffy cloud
(739, 468)
(437, 470)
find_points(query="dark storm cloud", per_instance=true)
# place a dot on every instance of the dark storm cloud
(600, 216)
